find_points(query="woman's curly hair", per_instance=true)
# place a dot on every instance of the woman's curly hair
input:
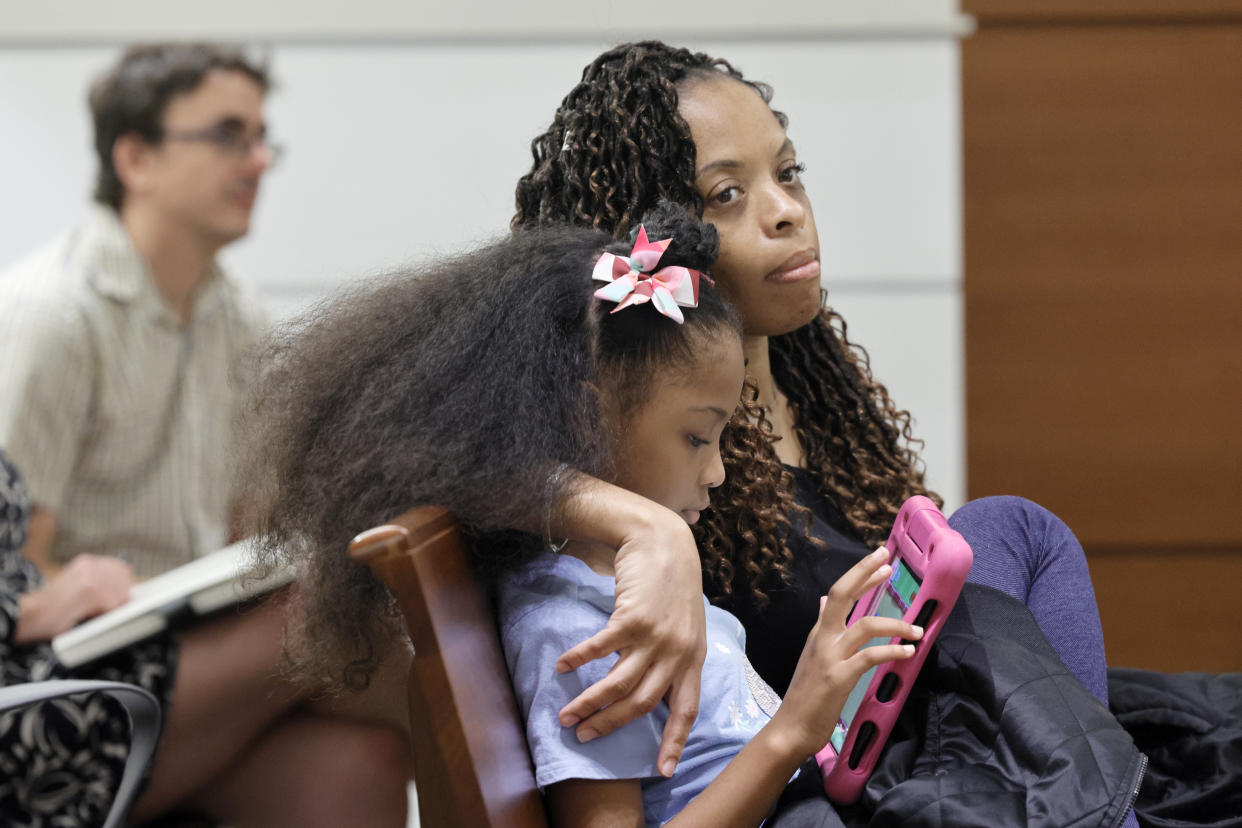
(616, 145)
(859, 446)
(742, 538)
(464, 384)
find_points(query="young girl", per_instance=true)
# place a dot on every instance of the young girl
(711, 142)
(666, 390)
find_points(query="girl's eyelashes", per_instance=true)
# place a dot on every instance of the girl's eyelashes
(697, 442)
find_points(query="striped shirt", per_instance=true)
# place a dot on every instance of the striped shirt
(121, 419)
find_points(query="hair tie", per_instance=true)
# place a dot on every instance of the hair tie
(634, 279)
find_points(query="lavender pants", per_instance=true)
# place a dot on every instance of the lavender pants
(1029, 553)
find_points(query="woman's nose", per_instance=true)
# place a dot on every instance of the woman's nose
(783, 210)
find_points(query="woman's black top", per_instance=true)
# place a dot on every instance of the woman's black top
(996, 729)
(776, 632)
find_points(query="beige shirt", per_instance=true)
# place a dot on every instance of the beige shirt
(121, 420)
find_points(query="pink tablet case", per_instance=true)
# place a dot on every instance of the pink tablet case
(939, 557)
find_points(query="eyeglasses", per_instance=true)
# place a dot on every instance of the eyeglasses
(230, 140)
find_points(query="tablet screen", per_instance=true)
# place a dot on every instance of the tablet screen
(896, 597)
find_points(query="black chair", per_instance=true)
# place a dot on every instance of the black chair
(145, 724)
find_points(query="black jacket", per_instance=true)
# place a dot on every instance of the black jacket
(1001, 733)
(1191, 726)
(997, 732)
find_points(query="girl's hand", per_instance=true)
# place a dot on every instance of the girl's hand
(88, 585)
(834, 658)
(658, 627)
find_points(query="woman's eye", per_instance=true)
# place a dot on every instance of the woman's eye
(726, 195)
(697, 442)
(792, 173)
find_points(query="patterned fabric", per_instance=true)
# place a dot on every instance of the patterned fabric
(60, 761)
(764, 695)
(120, 417)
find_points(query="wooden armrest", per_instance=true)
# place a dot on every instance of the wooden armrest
(471, 763)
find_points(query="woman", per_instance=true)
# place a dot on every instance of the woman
(650, 121)
(240, 742)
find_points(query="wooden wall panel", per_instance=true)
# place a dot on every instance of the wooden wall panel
(1103, 290)
(1119, 11)
(1169, 611)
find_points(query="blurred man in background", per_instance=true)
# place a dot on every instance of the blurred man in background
(122, 338)
(121, 373)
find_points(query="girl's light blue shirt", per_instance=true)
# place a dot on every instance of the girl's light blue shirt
(557, 601)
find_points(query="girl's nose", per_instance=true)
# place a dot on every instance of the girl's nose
(714, 473)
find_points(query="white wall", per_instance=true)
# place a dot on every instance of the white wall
(79, 21)
(408, 127)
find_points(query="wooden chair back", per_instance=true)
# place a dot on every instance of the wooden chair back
(471, 764)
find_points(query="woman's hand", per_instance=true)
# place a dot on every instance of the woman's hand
(834, 658)
(86, 586)
(658, 626)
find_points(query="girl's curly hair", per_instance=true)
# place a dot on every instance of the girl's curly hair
(616, 145)
(464, 384)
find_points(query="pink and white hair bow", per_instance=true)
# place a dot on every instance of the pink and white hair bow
(634, 279)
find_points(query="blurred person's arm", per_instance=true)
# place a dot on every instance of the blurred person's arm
(85, 587)
(38, 546)
(48, 381)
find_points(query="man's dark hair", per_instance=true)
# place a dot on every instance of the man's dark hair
(132, 96)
